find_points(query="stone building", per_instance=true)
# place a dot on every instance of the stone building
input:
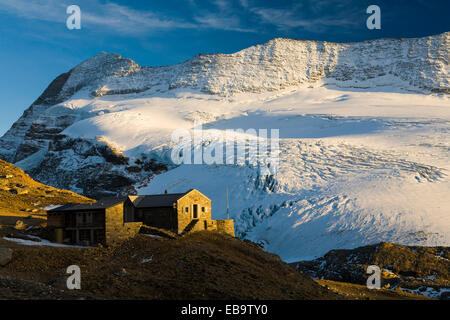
(115, 219)
(90, 224)
(178, 212)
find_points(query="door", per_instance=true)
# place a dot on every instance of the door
(195, 207)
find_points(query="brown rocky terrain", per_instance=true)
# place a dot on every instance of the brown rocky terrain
(203, 265)
(424, 270)
(361, 292)
(23, 196)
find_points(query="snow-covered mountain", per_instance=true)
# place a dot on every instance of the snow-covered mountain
(415, 64)
(364, 138)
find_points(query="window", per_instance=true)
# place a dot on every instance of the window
(84, 218)
(186, 209)
(89, 218)
(203, 209)
(79, 218)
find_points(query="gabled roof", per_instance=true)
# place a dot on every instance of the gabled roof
(144, 201)
(100, 204)
(158, 200)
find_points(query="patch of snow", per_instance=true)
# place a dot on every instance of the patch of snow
(153, 236)
(51, 207)
(41, 243)
(32, 161)
(428, 291)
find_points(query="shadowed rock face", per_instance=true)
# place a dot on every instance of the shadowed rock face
(418, 64)
(51, 95)
(92, 168)
(100, 169)
(25, 129)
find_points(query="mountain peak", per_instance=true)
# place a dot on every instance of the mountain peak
(98, 67)
(279, 63)
(418, 64)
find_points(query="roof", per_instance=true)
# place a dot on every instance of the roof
(158, 200)
(100, 204)
(144, 201)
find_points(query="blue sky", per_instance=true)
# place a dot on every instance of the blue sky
(36, 46)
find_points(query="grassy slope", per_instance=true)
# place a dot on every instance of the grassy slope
(19, 194)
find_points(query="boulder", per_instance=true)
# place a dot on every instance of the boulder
(20, 225)
(59, 283)
(5, 256)
(121, 273)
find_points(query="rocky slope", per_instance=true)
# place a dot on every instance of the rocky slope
(202, 266)
(19, 194)
(424, 270)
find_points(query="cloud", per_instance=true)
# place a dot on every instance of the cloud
(237, 15)
(214, 21)
(127, 20)
(43, 10)
(221, 4)
(286, 19)
(243, 3)
(224, 17)
(117, 18)
(310, 15)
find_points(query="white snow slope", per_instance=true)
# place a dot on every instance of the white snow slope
(360, 161)
(355, 168)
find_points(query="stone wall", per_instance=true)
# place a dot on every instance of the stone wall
(201, 225)
(211, 225)
(226, 226)
(116, 229)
